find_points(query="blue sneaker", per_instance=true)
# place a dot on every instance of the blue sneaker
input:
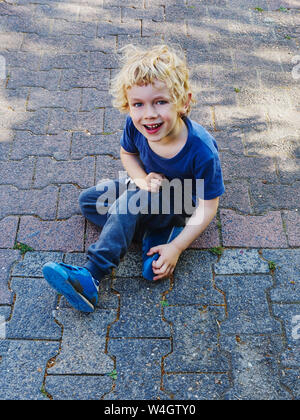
(75, 283)
(153, 238)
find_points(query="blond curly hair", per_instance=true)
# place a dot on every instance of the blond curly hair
(143, 67)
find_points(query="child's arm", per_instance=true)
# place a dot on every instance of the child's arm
(134, 167)
(170, 253)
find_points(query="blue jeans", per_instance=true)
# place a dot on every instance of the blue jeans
(109, 205)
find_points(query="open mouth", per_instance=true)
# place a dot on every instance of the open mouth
(152, 128)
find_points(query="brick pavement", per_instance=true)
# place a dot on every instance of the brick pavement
(224, 327)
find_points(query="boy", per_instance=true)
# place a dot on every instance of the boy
(159, 144)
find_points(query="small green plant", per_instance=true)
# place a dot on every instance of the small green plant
(272, 265)
(164, 303)
(237, 90)
(23, 248)
(113, 374)
(258, 9)
(288, 37)
(283, 9)
(217, 250)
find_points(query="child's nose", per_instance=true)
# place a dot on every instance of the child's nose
(150, 112)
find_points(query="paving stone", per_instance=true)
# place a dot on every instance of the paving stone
(5, 147)
(50, 171)
(23, 368)
(34, 202)
(286, 274)
(138, 366)
(85, 144)
(237, 197)
(77, 388)
(252, 231)
(108, 168)
(140, 312)
(27, 144)
(90, 122)
(210, 238)
(194, 272)
(241, 261)
(68, 201)
(93, 98)
(33, 262)
(60, 28)
(196, 386)
(242, 167)
(36, 122)
(113, 120)
(43, 98)
(195, 339)
(18, 174)
(8, 225)
(290, 315)
(7, 259)
(64, 61)
(84, 336)
(255, 368)
(265, 196)
(74, 78)
(291, 380)
(247, 306)
(27, 323)
(288, 169)
(64, 236)
(43, 79)
(291, 219)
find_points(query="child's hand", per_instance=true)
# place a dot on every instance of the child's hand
(154, 181)
(166, 263)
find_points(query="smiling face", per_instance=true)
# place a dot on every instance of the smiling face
(153, 113)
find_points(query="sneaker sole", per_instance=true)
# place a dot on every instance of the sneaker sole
(59, 280)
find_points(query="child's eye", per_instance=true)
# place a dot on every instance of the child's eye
(161, 102)
(137, 104)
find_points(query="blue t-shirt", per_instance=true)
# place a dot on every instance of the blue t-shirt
(198, 159)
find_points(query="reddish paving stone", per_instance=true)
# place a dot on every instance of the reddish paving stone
(8, 227)
(292, 221)
(209, 238)
(253, 231)
(66, 236)
(7, 258)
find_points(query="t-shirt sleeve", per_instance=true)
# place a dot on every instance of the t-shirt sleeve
(128, 136)
(211, 173)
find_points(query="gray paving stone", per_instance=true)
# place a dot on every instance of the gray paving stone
(27, 144)
(140, 312)
(43, 98)
(255, 368)
(138, 366)
(286, 274)
(32, 264)
(84, 336)
(247, 306)
(195, 331)
(291, 379)
(85, 144)
(7, 258)
(196, 386)
(61, 120)
(34, 202)
(241, 261)
(193, 280)
(32, 316)
(77, 388)
(22, 369)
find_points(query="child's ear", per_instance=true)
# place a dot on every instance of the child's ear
(186, 105)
